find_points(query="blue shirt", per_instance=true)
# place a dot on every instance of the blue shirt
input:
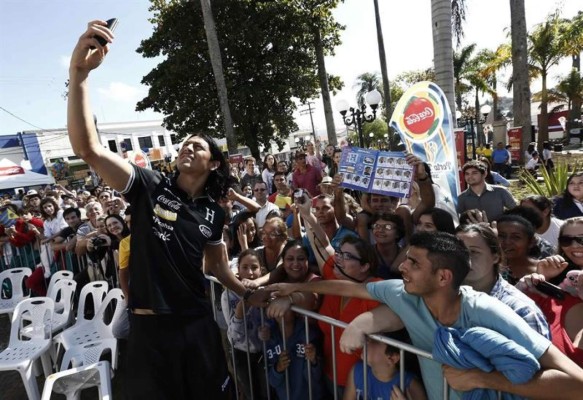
(477, 309)
(500, 156)
(376, 390)
(522, 305)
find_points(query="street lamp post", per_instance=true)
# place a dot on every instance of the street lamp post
(469, 122)
(371, 136)
(358, 116)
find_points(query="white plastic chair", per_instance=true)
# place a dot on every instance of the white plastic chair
(16, 277)
(72, 381)
(63, 290)
(86, 370)
(21, 354)
(95, 329)
(98, 291)
(57, 276)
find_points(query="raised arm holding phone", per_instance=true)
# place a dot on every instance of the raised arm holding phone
(174, 344)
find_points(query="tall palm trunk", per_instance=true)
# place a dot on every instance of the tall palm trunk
(217, 65)
(442, 48)
(323, 77)
(384, 73)
(543, 129)
(520, 87)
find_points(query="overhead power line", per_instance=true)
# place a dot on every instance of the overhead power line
(17, 117)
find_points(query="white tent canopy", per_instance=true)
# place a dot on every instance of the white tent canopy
(13, 176)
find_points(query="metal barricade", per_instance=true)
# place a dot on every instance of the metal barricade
(307, 315)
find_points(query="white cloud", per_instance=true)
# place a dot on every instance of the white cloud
(65, 61)
(121, 92)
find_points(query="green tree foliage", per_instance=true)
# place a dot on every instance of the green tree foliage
(268, 60)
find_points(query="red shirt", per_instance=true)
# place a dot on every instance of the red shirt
(332, 307)
(308, 180)
(23, 234)
(555, 312)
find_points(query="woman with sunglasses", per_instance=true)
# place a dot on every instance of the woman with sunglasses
(564, 314)
(355, 260)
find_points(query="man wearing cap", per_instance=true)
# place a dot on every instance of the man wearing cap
(305, 176)
(326, 186)
(33, 201)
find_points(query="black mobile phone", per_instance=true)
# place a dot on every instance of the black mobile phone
(550, 290)
(111, 24)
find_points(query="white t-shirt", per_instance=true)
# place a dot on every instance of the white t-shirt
(552, 233)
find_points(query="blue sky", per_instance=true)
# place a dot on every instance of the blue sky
(38, 36)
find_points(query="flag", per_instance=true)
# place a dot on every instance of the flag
(8, 217)
(423, 119)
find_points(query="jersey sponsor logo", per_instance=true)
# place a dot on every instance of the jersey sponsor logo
(165, 214)
(205, 230)
(173, 204)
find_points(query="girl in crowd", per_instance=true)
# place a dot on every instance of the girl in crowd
(435, 219)
(570, 204)
(484, 276)
(53, 218)
(269, 167)
(243, 327)
(245, 227)
(336, 157)
(516, 237)
(388, 230)
(564, 315)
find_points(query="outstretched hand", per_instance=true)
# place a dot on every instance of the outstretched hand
(259, 298)
(84, 58)
(281, 289)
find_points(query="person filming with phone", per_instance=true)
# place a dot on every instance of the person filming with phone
(174, 342)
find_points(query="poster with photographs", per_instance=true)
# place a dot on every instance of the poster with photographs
(381, 172)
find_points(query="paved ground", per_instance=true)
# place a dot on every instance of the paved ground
(11, 387)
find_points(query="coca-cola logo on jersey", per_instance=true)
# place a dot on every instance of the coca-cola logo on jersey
(173, 204)
(14, 170)
(419, 115)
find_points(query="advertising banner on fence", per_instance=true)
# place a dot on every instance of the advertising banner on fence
(423, 119)
(514, 138)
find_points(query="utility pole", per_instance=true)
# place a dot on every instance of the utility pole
(310, 111)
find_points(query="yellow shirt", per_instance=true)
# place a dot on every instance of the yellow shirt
(124, 252)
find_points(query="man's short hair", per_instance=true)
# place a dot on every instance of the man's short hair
(445, 251)
(474, 164)
(252, 159)
(279, 173)
(71, 210)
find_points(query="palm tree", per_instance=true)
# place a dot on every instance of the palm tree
(463, 66)
(217, 65)
(382, 56)
(441, 19)
(572, 88)
(521, 84)
(324, 89)
(366, 82)
(545, 50)
(492, 62)
(573, 45)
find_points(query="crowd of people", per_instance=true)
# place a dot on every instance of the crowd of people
(470, 286)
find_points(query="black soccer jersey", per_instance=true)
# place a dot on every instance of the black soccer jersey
(169, 234)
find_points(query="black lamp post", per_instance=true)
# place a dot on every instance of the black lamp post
(469, 122)
(358, 116)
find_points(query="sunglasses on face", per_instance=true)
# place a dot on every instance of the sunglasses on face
(566, 241)
(383, 227)
(259, 190)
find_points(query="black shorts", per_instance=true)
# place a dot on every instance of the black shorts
(176, 357)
